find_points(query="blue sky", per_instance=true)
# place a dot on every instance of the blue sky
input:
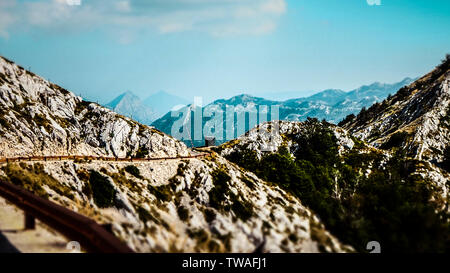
(220, 48)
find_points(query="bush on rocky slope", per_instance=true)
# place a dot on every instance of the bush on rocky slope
(33, 178)
(446, 162)
(388, 204)
(102, 190)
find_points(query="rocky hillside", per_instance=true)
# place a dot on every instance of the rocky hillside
(206, 205)
(361, 193)
(416, 118)
(38, 117)
(269, 137)
(193, 205)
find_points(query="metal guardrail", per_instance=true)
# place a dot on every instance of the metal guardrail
(91, 236)
(102, 158)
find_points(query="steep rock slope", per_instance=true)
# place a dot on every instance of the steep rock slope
(206, 205)
(416, 118)
(269, 137)
(38, 117)
(361, 193)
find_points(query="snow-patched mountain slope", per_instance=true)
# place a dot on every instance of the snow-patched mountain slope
(417, 118)
(38, 117)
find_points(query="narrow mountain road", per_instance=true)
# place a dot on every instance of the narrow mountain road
(98, 158)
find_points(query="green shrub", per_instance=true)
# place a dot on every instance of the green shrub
(210, 215)
(446, 162)
(142, 152)
(183, 213)
(102, 190)
(3, 122)
(200, 235)
(120, 179)
(390, 205)
(163, 193)
(26, 179)
(395, 141)
(217, 195)
(133, 170)
(242, 209)
(182, 167)
(42, 121)
(33, 178)
(347, 120)
(145, 216)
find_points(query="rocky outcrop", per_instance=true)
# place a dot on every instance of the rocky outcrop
(416, 119)
(270, 136)
(38, 117)
(200, 205)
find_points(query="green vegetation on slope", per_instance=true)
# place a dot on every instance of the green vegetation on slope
(223, 199)
(102, 190)
(133, 170)
(389, 204)
(33, 178)
(446, 162)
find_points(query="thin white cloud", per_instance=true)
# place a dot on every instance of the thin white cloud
(374, 2)
(215, 17)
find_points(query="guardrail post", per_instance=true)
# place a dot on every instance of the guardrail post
(30, 222)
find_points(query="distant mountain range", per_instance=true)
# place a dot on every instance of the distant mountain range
(148, 110)
(332, 105)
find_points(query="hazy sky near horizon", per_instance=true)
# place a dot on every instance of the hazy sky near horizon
(221, 48)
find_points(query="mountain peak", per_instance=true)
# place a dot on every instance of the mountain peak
(128, 104)
(243, 97)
